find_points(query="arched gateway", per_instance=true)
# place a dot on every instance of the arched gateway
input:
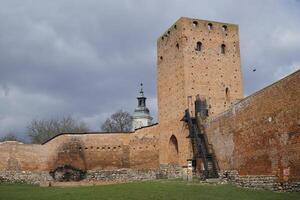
(173, 150)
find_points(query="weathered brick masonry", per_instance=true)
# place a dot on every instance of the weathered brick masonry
(256, 139)
(260, 135)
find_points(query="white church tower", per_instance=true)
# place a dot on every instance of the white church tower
(141, 116)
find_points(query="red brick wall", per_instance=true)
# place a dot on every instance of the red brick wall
(144, 148)
(85, 152)
(261, 134)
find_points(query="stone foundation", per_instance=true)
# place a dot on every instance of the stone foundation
(165, 172)
(121, 175)
(269, 182)
(117, 175)
(27, 177)
(170, 171)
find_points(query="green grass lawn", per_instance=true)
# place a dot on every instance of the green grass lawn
(140, 190)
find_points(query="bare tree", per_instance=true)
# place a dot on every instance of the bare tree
(120, 121)
(40, 131)
(9, 137)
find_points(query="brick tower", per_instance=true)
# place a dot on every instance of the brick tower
(198, 57)
(195, 57)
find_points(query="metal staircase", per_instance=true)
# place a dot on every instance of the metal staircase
(199, 139)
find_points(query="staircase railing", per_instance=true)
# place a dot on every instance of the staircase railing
(199, 139)
(199, 149)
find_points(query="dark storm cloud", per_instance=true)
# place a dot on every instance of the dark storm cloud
(87, 58)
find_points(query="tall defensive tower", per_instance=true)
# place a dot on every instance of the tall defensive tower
(194, 57)
(198, 57)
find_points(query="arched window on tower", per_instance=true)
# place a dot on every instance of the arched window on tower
(224, 28)
(195, 23)
(198, 46)
(223, 47)
(209, 26)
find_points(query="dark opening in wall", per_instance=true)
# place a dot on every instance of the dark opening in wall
(198, 46)
(67, 173)
(224, 28)
(195, 23)
(223, 47)
(175, 27)
(161, 58)
(209, 26)
(162, 38)
(227, 94)
(177, 46)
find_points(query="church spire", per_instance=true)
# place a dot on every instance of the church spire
(142, 91)
(141, 98)
(141, 115)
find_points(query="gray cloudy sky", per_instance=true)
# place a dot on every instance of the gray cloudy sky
(87, 57)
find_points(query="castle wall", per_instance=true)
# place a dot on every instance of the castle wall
(144, 148)
(19, 156)
(260, 135)
(82, 151)
(94, 151)
(89, 151)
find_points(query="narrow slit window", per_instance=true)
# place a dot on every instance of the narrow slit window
(223, 47)
(198, 46)
(227, 94)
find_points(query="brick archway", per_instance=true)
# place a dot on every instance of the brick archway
(173, 150)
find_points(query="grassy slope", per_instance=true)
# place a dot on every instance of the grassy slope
(139, 191)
